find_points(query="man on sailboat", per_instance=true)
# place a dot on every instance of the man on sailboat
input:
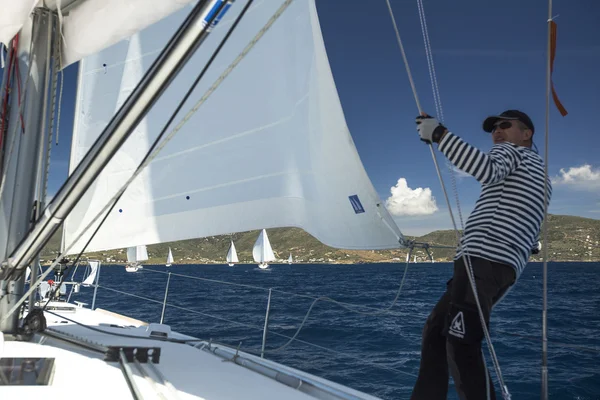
(499, 236)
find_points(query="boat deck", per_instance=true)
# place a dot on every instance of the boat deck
(182, 372)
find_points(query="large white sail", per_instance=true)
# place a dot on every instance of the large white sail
(262, 251)
(280, 102)
(232, 256)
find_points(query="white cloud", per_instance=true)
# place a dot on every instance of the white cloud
(407, 201)
(584, 177)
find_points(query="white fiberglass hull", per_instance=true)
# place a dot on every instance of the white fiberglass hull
(184, 371)
(133, 268)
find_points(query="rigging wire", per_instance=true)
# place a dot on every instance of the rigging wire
(256, 352)
(253, 287)
(212, 342)
(350, 307)
(156, 142)
(544, 366)
(468, 266)
(150, 154)
(354, 310)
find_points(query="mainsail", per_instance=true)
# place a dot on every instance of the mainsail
(257, 154)
(137, 253)
(170, 260)
(232, 256)
(262, 251)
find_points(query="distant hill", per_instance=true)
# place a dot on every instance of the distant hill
(570, 239)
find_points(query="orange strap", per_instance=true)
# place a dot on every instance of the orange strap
(563, 111)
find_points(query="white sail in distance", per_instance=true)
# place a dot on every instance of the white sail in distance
(262, 251)
(169, 259)
(137, 254)
(232, 256)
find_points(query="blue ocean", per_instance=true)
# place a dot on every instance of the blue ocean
(377, 354)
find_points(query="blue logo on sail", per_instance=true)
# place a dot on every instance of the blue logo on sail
(358, 207)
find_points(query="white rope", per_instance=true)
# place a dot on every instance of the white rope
(219, 80)
(406, 65)
(437, 100)
(294, 337)
(428, 53)
(324, 298)
(416, 97)
(466, 256)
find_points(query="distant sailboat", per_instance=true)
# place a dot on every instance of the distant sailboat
(232, 257)
(290, 259)
(94, 272)
(170, 260)
(135, 255)
(262, 251)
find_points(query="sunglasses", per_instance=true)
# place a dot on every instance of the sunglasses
(502, 125)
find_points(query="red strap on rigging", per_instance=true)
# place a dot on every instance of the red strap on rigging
(563, 111)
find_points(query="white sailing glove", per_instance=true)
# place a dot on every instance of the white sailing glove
(430, 130)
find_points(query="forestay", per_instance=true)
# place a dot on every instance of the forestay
(269, 148)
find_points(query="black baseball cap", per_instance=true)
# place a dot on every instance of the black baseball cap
(488, 124)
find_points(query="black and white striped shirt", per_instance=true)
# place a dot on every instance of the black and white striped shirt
(505, 223)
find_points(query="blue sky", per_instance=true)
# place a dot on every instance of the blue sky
(489, 56)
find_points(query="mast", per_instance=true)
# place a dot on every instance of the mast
(24, 168)
(177, 52)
